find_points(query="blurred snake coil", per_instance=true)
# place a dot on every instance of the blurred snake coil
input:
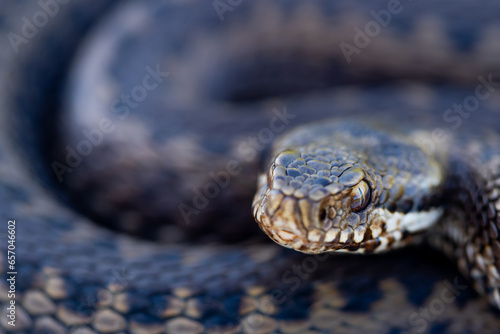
(136, 134)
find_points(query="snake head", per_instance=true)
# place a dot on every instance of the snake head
(342, 187)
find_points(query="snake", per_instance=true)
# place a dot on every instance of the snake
(141, 140)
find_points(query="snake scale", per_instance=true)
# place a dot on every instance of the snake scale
(136, 113)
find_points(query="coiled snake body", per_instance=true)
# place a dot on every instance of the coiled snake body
(165, 110)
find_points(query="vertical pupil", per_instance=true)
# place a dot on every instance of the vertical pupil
(360, 197)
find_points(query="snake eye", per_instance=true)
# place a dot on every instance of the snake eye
(360, 196)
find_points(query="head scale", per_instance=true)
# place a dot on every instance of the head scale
(345, 186)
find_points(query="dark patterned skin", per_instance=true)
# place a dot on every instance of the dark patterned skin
(233, 68)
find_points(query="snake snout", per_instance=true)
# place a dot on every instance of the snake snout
(326, 218)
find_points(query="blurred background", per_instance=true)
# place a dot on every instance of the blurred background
(154, 118)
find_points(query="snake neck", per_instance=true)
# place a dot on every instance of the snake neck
(468, 231)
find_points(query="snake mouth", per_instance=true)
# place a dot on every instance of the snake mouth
(293, 225)
(312, 225)
(387, 231)
(291, 239)
(298, 241)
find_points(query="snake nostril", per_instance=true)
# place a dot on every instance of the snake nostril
(322, 214)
